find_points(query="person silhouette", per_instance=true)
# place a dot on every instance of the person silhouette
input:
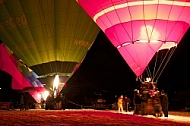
(164, 103)
(120, 103)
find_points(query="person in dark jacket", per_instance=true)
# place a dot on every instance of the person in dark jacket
(64, 102)
(22, 102)
(164, 103)
(156, 103)
(136, 102)
(58, 100)
(49, 102)
(144, 101)
(127, 102)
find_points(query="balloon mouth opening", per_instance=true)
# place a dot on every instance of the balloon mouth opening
(138, 41)
(166, 44)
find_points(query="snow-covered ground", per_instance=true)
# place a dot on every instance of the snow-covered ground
(177, 116)
(78, 117)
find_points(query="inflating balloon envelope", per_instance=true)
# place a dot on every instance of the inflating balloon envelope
(22, 78)
(139, 29)
(51, 37)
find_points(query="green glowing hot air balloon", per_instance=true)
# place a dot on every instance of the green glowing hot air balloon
(50, 36)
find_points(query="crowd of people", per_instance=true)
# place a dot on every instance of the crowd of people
(56, 103)
(147, 101)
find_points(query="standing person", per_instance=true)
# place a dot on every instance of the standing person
(151, 90)
(21, 102)
(156, 103)
(58, 100)
(49, 102)
(164, 103)
(127, 102)
(136, 102)
(120, 104)
(64, 102)
(144, 100)
(26, 102)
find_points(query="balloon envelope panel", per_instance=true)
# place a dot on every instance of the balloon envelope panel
(47, 33)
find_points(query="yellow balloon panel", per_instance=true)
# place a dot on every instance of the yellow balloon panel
(46, 31)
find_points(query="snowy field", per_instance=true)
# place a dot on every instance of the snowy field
(76, 117)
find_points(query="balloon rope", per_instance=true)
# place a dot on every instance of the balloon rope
(171, 53)
(160, 66)
(155, 66)
(148, 72)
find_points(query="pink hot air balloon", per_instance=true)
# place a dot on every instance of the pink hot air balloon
(7, 65)
(140, 28)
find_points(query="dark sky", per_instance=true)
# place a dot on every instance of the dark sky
(104, 71)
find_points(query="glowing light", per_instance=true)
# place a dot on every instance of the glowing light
(56, 82)
(148, 79)
(148, 33)
(55, 93)
(168, 45)
(46, 93)
(124, 44)
(55, 85)
(142, 41)
(118, 46)
(145, 41)
(39, 97)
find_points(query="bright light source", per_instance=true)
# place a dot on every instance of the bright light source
(39, 97)
(168, 45)
(143, 41)
(46, 93)
(56, 82)
(118, 46)
(55, 85)
(148, 79)
(125, 44)
(148, 33)
(55, 93)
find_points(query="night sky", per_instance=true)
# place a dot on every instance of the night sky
(105, 72)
